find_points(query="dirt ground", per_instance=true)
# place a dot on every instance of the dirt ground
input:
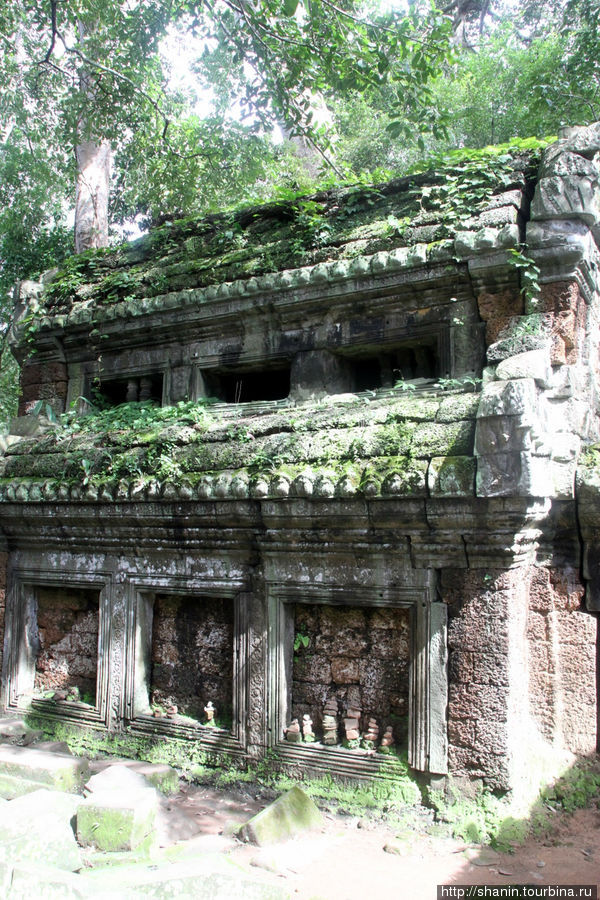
(353, 857)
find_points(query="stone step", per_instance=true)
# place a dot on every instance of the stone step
(24, 769)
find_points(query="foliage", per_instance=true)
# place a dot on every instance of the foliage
(529, 273)
(301, 641)
(393, 84)
(389, 794)
(503, 90)
(458, 384)
(476, 820)
(462, 180)
(136, 417)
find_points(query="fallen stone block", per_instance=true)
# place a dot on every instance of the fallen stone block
(117, 778)
(27, 881)
(32, 737)
(12, 786)
(39, 767)
(161, 776)
(54, 747)
(208, 877)
(12, 729)
(115, 821)
(291, 814)
(37, 828)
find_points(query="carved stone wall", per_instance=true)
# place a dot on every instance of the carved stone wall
(3, 564)
(419, 515)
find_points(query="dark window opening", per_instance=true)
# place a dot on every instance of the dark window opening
(249, 387)
(138, 388)
(405, 363)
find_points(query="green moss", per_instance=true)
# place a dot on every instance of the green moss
(185, 756)
(395, 789)
(490, 819)
(139, 442)
(112, 827)
(482, 819)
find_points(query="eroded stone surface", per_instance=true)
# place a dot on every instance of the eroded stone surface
(37, 829)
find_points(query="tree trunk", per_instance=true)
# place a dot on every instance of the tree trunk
(93, 155)
(91, 195)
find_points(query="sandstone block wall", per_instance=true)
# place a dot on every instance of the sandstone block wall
(192, 655)
(561, 639)
(3, 564)
(359, 656)
(43, 381)
(478, 673)
(68, 624)
(522, 670)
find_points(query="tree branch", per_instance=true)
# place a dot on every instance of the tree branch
(100, 67)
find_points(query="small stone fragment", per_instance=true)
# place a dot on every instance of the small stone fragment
(330, 725)
(482, 856)
(209, 712)
(398, 848)
(292, 732)
(371, 735)
(307, 730)
(387, 741)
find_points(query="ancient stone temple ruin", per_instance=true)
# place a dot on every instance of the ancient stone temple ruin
(327, 485)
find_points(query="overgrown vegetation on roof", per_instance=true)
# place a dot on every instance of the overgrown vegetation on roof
(364, 442)
(291, 231)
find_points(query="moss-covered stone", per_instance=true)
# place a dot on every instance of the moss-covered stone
(451, 476)
(36, 829)
(115, 822)
(289, 815)
(128, 451)
(61, 773)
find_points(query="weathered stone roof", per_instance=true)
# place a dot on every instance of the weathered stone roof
(466, 205)
(393, 444)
